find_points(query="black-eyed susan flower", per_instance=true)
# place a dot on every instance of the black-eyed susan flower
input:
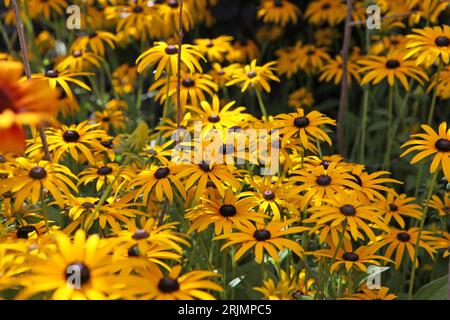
(270, 238)
(195, 87)
(142, 236)
(326, 11)
(398, 206)
(95, 41)
(333, 70)
(321, 183)
(105, 174)
(346, 210)
(350, 258)
(227, 214)
(215, 50)
(253, 76)
(301, 98)
(442, 242)
(304, 127)
(398, 240)
(169, 11)
(372, 294)
(62, 79)
(392, 67)
(161, 180)
(270, 196)
(429, 45)
(279, 12)
(311, 59)
(431, 143)
(164, 57)
(198, 175)
(43, 8)
(175, 286)
(79, 61)
(74, 140)
(74, 269)
(33, 177)
(213, 116)
(441, 205)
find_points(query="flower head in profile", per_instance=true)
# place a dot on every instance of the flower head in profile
(253, 76)
(431, 143)
(429, 45)
(279, 12)
(164, 57)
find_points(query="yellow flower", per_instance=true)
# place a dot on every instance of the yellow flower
(56, 271)
(226, 214)
(391, 67)
(175, 286)
(262, 237)
(63, 79)
(215, 49)
(165, 56)
(75, 140)
(429, 45)
(278, 12)
(431, 143)
(78, 61)
(94, 41)
(33, 177)
(254, 76)
(326, 11)
(334, 70)
(442, 206)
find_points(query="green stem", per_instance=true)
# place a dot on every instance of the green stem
(166, 101)
(434, 98)
(422, 223)
(362, 142)
(44, 207)
(387, 155)
(261, 105)
(108, 190)
(341, 240)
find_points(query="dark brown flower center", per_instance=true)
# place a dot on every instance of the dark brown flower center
(87, 205)
(2, 159)
(188, 83)
(268, 195)
(301, 122)
(251, 74)
(24, 231)
(168, 285)
(278, 3)
(262, 235)
(393, 207)
(210, 44)
(443, 145)
(392, 64)
(79, 272)
(107, 144)
(227, 210)
(442, 41)
(323, 180)
(347, 210)
(105, 170)
(214, 118)
(325, 164)
(140, 234)
(403, 236)
(162, 173)
(171, 50)
(38, 173)
(133, 251)
(310, 52)
(51, 74)
(77, 54)
(204, 166)
(71, 136)
(138, 9)
(326, 6)
(350, 256)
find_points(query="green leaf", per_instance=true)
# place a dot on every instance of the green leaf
(435, 290)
